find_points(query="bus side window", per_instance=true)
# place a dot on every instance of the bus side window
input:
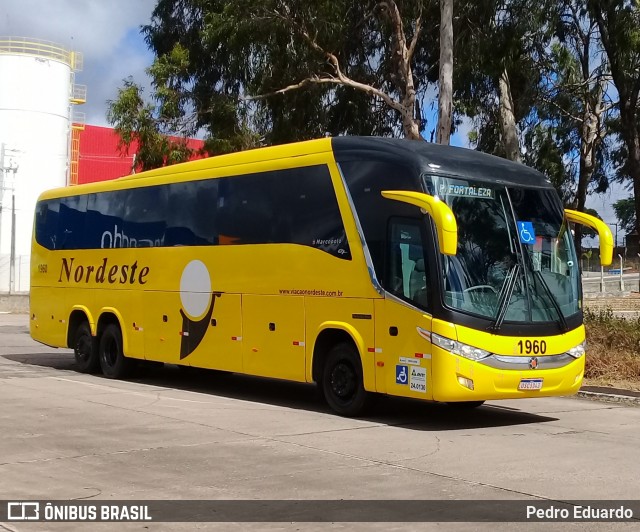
(191, 216)
(46, 223)
(71, 222)
(406, 274)
(104, 225)
(144, 216)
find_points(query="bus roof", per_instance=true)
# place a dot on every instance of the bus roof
(437, 158)
(426, 156)
(421, 155)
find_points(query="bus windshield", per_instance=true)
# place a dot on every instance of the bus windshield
(515, 259)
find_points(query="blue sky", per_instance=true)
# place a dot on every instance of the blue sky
(107, 32)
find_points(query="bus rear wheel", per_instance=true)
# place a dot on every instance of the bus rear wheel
(112, 360)
(342, 382)
(85, 350)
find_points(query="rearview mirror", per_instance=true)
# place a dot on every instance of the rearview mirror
(439, 211)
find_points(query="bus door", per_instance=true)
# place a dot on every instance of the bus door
(273, 336)
(403, 325)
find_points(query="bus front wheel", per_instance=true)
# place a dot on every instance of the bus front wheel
(85, 350)
(112, 360)
(342, 382)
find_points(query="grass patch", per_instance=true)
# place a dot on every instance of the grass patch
(613, 350)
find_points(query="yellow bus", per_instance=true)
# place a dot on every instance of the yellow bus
(364, 265)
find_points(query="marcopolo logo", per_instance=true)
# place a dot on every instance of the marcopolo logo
(103, 273)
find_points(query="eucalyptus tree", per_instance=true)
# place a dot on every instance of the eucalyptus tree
(575, 101)
(497, 70)
(270, 71)
(618, 24)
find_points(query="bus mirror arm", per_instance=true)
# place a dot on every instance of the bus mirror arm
(604, 233)
(439, 211)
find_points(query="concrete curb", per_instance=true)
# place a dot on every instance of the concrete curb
(609, 397)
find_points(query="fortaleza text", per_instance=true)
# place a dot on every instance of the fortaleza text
(590, 513)
(103, 273)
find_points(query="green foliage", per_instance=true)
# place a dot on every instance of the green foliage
(215, 56)
(492, 36)
(136, 122)
(619, 28)
(625, 210)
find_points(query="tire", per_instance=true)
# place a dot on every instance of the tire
(466, 405)
(85, 350)
(342, 383)
(112, 360)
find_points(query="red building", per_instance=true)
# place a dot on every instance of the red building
(98, 156)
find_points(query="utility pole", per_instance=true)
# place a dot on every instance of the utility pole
(4, 169)
(12, 259)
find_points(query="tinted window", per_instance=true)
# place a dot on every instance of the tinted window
(246, 210)
(308, 209)
(191, 213)
(105, 226)
(46, 223)
(366, 180)
(71, 224)
(297, 206)
(406, 274)
(144, 217)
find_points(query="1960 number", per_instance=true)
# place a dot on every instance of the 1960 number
(535, 347)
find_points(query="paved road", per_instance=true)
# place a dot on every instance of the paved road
(170, 435)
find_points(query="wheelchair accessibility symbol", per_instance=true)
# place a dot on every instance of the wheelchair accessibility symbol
(402, 374)
(526, 232)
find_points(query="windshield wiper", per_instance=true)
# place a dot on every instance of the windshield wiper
(556, 306)
(505, 297)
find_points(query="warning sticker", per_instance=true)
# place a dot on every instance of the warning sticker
(418, 379)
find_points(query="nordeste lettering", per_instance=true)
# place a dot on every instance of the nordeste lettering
(71, 271)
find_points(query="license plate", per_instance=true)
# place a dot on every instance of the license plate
(530, 384)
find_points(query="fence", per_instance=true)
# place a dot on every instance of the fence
(21, 274)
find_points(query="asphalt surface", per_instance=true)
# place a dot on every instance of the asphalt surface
(175, 435)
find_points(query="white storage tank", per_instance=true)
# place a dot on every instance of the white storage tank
(36, 96)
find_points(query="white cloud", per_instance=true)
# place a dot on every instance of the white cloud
(106, 32)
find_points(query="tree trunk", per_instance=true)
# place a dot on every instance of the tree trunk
(631, 136)
(410, 126)
(507, 119)
(445, 105)
(589, 139)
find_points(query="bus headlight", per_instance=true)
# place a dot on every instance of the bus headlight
(577, 351)
(458, 348)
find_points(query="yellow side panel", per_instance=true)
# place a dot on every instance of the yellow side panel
(163, 325)
(48, 322)
(273, 339)
(221, 347)
(354, 316)
(216, 346)
(403, 366)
